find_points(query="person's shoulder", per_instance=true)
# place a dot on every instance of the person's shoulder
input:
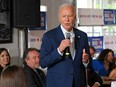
(27, 69)
(53, 30)
(95, 61)
(1, 68)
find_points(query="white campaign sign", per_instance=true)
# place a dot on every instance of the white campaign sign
(90, 16)
(110, 42)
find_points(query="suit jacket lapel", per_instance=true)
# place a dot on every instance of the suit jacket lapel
(59, 33)
(38, 79)
(77, 39)
(77, 44)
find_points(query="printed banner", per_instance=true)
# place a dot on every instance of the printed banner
(109, 18)
(90, 16)
(34, 38)
(110, 42)
(96, 42)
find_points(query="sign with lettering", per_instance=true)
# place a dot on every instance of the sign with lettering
(96, 42)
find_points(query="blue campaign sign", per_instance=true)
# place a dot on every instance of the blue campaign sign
(42, 24)
(109, 18)
(96, 42)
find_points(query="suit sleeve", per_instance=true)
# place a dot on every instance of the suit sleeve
(49, 53)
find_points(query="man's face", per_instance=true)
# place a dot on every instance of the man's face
(67, 17)
(32, 59)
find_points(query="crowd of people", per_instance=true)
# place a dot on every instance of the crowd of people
(28, 75)
(68, 58)
(105, 63)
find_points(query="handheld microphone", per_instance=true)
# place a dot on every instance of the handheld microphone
(67, 49)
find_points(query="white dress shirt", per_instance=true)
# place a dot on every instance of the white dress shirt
(72, 36)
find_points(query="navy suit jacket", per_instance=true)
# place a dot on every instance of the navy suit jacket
(61, 72)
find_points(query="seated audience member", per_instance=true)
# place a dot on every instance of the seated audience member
(13, 76)
(104, 63)
(92, 51)
(35, 76)
(4, 58)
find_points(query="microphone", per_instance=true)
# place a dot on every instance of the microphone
(67, 49)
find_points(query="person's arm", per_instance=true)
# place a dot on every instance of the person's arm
(59, 52)
(113, 73)
(49, 54)
(87, 63)
(86, 54)
(85, 58)
(96, 84)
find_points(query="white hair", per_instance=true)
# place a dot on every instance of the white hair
(67, 5)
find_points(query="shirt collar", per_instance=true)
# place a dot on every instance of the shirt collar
(65, 31)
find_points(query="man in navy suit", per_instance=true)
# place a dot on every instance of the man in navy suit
(64, 70)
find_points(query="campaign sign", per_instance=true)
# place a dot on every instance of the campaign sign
(110, 42)
(109, 18)
(96, 42)
(90, 16)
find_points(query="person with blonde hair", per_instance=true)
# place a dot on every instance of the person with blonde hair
(13, 76)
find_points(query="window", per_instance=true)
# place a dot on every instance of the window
(100, 4)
